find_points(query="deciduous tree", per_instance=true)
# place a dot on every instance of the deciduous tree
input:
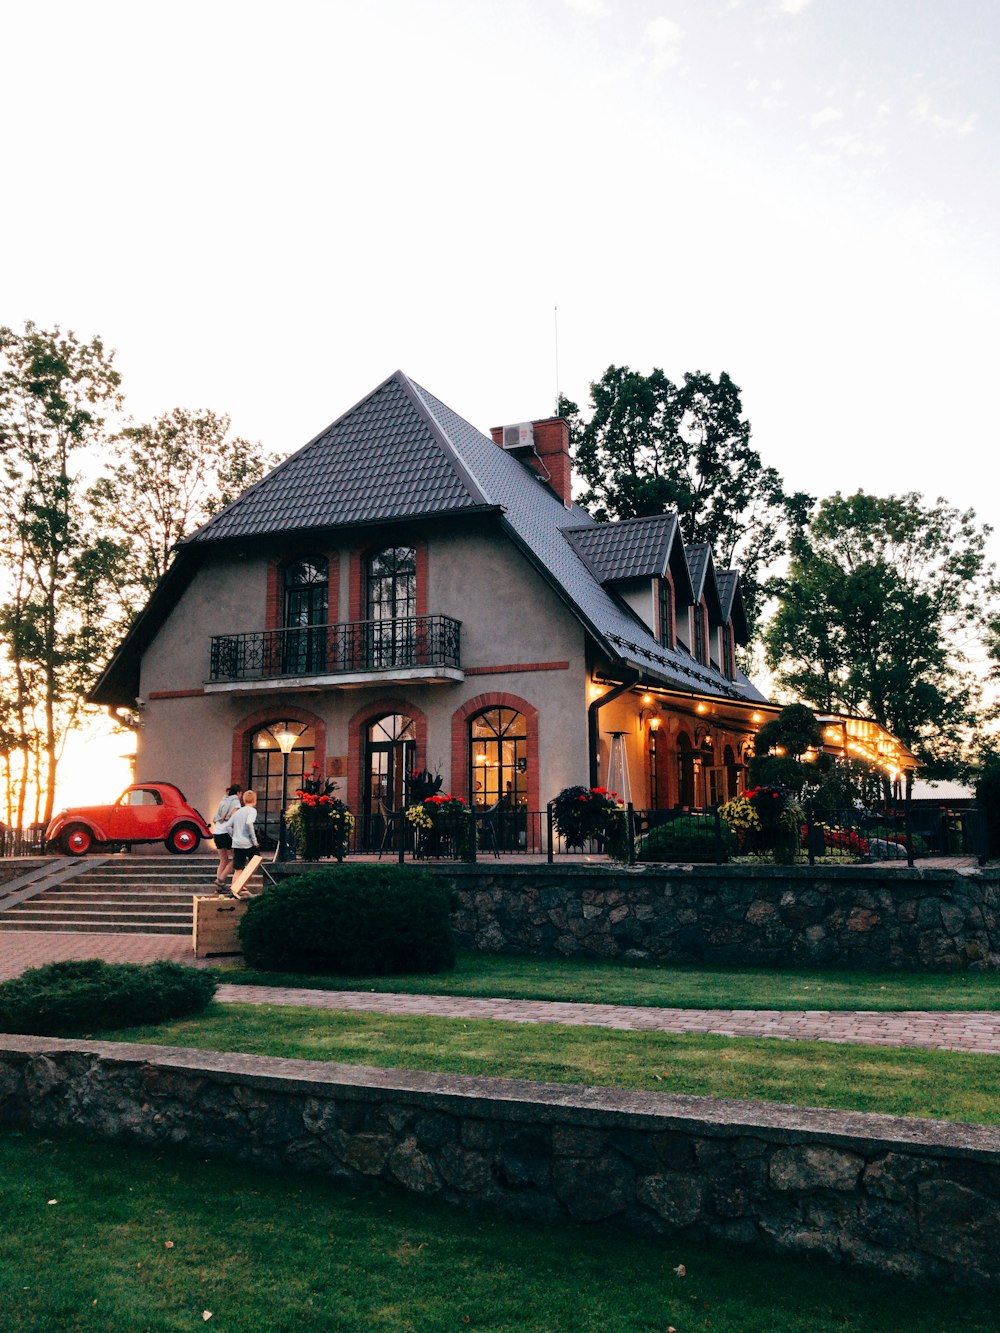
(649, 446)
(166, 478)
(55, 393)
(882, 600)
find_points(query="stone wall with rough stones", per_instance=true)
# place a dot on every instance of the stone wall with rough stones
(909, 1197)
(841, 916)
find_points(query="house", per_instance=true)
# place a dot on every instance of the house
(405, 592)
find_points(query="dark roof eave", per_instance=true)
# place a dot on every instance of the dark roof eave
(366, 524)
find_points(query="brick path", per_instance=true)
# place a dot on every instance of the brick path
(947, 1031)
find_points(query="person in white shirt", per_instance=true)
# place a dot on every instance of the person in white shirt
(242, 832)
(228, 806)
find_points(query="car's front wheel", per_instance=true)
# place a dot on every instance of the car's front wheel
(183, 839)
(77, 840)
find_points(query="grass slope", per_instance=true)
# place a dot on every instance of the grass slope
(938, 1084)
(522, 978)
(104, 1238)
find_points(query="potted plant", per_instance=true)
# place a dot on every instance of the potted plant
(592, 814)
(319, 823)
(438, 818)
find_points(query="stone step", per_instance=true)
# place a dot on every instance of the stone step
(80, 925)
(51, 906)
(28, 912)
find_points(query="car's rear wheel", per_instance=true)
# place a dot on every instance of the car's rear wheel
(183, 839)
(77, 840)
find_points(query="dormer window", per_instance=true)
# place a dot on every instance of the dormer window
(699, 614)
(665, 623)
(728, 651)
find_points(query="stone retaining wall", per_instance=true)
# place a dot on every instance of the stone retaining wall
(908, 1197)
(840, 916)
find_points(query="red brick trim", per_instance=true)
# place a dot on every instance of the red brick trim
(356, 729)
(460, 741)
(239, 765)
(516, 666)
(176, 694)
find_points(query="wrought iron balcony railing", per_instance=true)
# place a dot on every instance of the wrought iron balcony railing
(327, 650)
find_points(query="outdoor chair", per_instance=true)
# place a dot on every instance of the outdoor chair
(486, 830)
(392, 823)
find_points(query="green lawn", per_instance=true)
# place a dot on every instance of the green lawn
(938, 1084)
(685, 987)
(107, 1238)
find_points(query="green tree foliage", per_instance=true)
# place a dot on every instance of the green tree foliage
(778, 749)
(881, 600)
(166, 479)
(650, 446)
(55, 391)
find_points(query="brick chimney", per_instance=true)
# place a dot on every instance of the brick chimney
(544, 446)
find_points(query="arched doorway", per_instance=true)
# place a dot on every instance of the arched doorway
(685, 770)
(307, 586)
(390, 749)
(266, 768)
(732, 773)
(391, 604)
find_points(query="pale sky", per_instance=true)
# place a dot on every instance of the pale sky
(269, 208)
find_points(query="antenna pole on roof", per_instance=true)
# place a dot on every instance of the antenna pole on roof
(555, 313)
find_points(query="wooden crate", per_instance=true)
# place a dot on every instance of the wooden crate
(216, 923)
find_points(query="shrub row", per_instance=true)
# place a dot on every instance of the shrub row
(82, 995)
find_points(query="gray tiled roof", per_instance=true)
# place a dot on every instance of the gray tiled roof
(698, 559)
(538, 520)
(402, 453)
(381, 460)
(726, 579)
(633, 548)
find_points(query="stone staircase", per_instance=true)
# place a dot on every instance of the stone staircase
(121, 894)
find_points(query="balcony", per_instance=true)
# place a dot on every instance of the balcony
(416, 649)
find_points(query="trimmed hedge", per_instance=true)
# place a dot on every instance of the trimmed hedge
(352, 920)
(89, 993)
(690, 838)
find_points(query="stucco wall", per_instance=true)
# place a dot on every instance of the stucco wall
(907, 1197)
(509, 615)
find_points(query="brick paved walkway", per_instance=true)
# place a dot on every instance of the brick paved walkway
(947, 1031)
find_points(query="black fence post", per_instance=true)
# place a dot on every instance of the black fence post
(630, 815)
(810, 839)
(474, 835)
(401, 825)
(719, 854)
(551, 831)
(908, 822)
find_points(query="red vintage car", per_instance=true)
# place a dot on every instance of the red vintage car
(145, 812)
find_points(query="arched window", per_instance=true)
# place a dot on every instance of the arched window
(391, 605)
(305, 615)
(685, 770)
(498, 758)
(267, 768)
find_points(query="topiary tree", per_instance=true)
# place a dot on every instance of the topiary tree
(778, 749)
(352, 920)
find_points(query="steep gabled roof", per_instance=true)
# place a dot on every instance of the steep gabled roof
(633, 548)
(703, 581)
(400, 453)
(384, 459)
(731, 598)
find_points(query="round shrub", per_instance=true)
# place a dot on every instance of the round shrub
(89, 993)
(352, 920)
